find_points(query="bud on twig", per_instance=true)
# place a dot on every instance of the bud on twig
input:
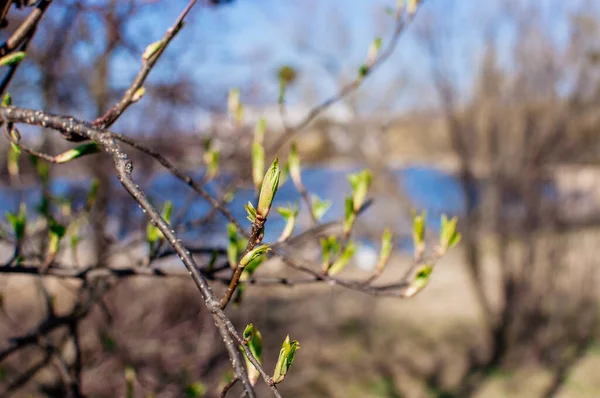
(419, 221)
(330, 247)
(18, 221)
(81, 150)
(289, 214)
(254, 254)
(360, 183)
(57, 232)
(419, 281)
(342, 261)
(12, 58)
(319, 207)
(449, 237)
(253, 339)
(233, 247)
(152, 49)
(286, 357)
(268, 190)
(386, 250)
(349, 215)
(138, 94)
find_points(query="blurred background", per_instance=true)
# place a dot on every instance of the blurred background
(485, 110)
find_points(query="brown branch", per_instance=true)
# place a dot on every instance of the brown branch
(26, 29)
(71, 127)
(255, 238)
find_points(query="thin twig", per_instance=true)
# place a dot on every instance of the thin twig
(117, 110)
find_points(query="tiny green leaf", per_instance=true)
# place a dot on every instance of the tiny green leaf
(419, 280)
(7, 100)
(386, 249)
(57, 231)
(319, 207)
(251, 212)
(289, 214)
(330, 247)
(373, 50)
(412, 6)
(254, 254)
(233, 251)
(18, 221)
(253, 339)
(12, 58)
(449, 236)
(12, 161)
(81, 150)
(419, 221)
(342, 261)
(286, 357)
(349, 215)
(360, 183)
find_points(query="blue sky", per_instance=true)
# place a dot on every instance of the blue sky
(242, 44)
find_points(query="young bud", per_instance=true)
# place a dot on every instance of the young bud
(81, 150)
(253, 339)
(373, 51)
(349, 215)
(419, 221)
(57, 232)
(138, 94)
(289, 214)
(12, 161)
(153, 234)
(419, 281)
(251, 211)
(342, 261)
(330, 247)
(18, 221)
(7, 100)
(360, 183)
(152, 49)
(233, 251)
(268, 190)
(449, 237)
(386, 249)
(12, 58)
(319, 207)
(286, 357)
(254, 254)
(412, 6)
